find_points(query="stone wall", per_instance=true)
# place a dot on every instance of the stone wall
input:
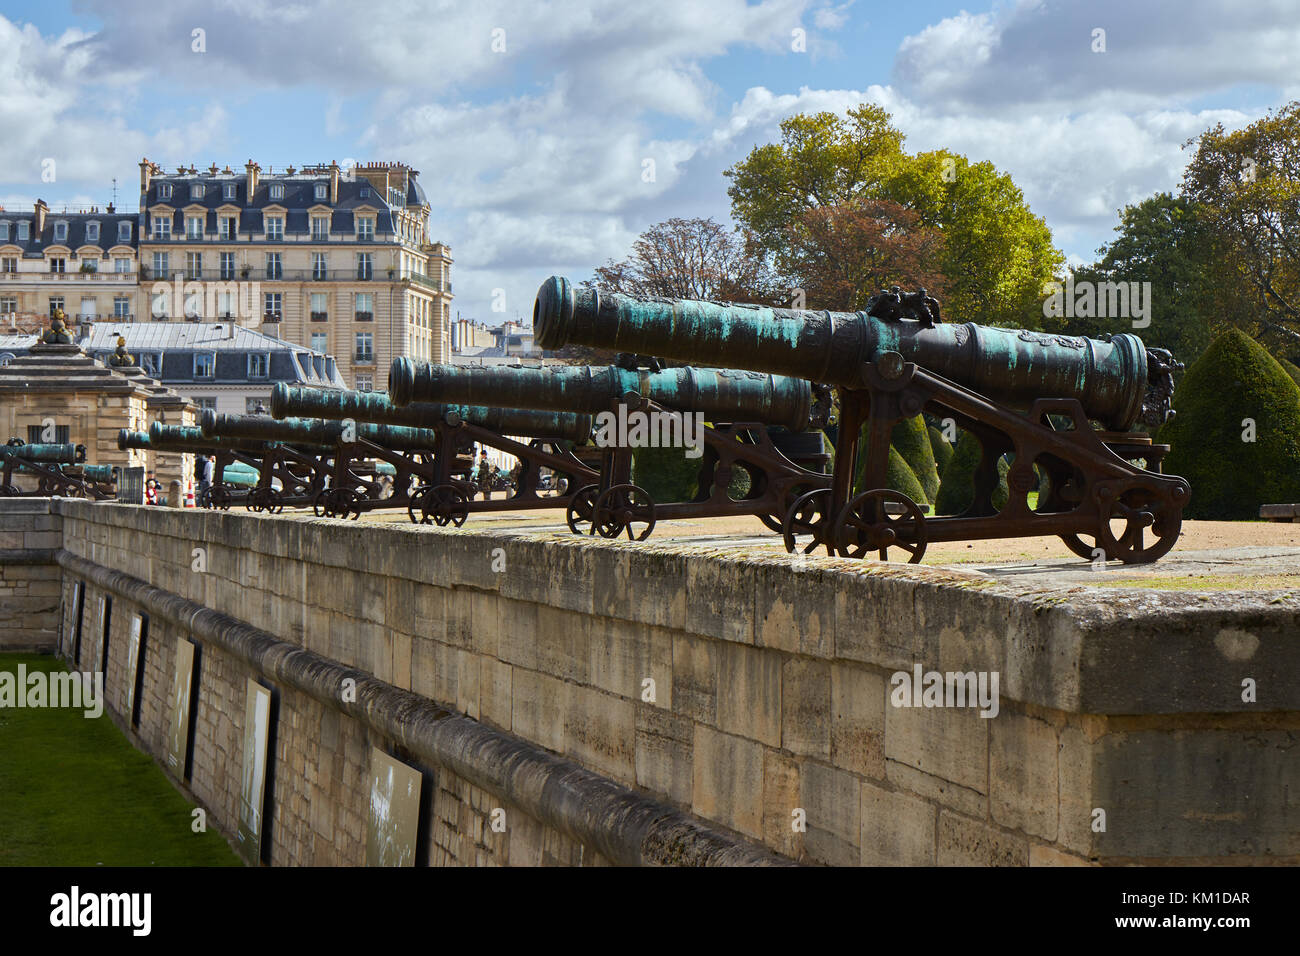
(30, 538)
(745, 699)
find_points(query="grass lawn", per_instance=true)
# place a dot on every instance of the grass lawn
(74, 792)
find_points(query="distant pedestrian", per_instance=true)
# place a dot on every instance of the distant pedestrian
(209, 473)
(485, 476)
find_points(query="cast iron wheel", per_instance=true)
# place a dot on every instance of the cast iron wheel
(274, 502)
(219, 497)
(1140, 509)
(776, 522)
(808, 515)
(320, 504)
(622, 508)
(864, 525)
(581, 508)
(447, 505)
(417, 509)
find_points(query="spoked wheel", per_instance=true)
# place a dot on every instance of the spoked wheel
(624, 508)
(274, 502)
(345, 503)
(808, 515)
(417, 510)
(582, 506)
(864, 525)
(9, 491)
(1148, 526)
(446, 505)
(259, 499)
(219, 497)
(320, 504)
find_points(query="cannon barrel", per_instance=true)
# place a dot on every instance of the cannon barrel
(1013, 366)
(102, 474)
(182, 438)
(721, 395)
(314, 431)
(64, 454)
(293, 401)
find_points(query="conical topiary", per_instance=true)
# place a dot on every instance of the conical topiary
(942, 450)
(957, 486)
(1290, 368)
(1236, 438)
(913, 443)
(899, 477)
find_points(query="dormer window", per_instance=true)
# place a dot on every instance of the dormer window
(277, 191)
(23, 228)
(162, 227)
(60, 232)
(364, 193)
(123, 232)
(274, 228)
(322, 191)
(196, 191)
(92, 232)
(228, 191)
(366, 230)
(4, 232)
(164, 190)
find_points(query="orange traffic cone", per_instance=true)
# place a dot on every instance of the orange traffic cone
(189, 494)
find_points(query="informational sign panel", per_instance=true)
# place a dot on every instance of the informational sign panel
(393, 820)
(178, 734)
(252, 789)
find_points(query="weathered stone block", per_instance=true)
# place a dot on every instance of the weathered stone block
(695, 677)
(806, 707)
(898, 828)
(857, 720)
(749, 701)
(728, 780)
(1023, 777)
(966, 842)
(663, 753)
(833, 801)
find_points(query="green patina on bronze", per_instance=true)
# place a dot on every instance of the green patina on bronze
(184, 438)
(64, 454)
(100, 473)
(314, 431)
(719, 394)
(291, 401)
(1012, 366)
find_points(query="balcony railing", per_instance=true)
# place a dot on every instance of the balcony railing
(365, 316)
(71, 276)
(363, 358)
(320, 316)
(244, 274)
(270, 316)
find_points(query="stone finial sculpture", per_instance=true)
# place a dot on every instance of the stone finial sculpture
(121, 358)
(58, 332)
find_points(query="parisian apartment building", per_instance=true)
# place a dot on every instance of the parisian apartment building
(335, 259)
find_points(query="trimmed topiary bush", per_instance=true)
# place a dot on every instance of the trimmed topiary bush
(957, 486)
(1290, 368)
(941, 449)
(666, 473)
(913, 443)
(1235, 380)
(900, 477)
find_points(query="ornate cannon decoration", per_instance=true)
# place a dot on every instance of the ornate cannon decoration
(756, 416)
(441, 491)
(57, 469)
(1020, 393)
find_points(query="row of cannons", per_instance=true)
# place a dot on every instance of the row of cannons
(1061, 410)
(50, 470)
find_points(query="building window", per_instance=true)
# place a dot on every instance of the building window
(123, 232)
(365, 383)
(92, 232)
(121, 307)
(322, 191)
(121, 265)
(8, 303)
(320, 229)
(4, 232)
(320, 341)
(365, 307)
(226, 228)
(194, 265)
(365, 348)
(22, 231)
(319, 307)
(365, 265)
(151, 362)
(228, 191)
(164, 190)
(226, 305)
(158, 307)
(277, 191)
(194, 305)
(259, 364)
(89, 265)
(366, 229)
(204, 402)
(273, 266)
(274, 228)
(56, 265)
(56, 304)
(318, 266)
(205, 364)
(160, 265)
(271, 312)
(162, 227)
(227, 265)
(364, 192)
(62, 434)
(254, 406)
(9, 264)
(60, 232)
(194, 227)
(196, 191)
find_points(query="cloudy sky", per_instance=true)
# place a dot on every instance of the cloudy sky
(549, 135)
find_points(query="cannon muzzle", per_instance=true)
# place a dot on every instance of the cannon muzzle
(64, 454)
(721, 395)
(292, 401)
(1014, 366)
